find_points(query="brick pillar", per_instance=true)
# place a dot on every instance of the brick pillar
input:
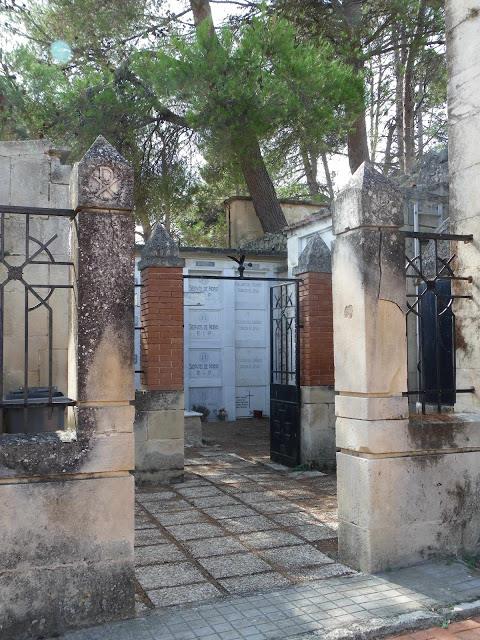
(159, 423)
(317, 442)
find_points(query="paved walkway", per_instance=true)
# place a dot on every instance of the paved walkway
(233, 526)
(245, 551)
(350, 607)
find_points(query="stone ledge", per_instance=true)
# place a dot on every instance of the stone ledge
(421, 434)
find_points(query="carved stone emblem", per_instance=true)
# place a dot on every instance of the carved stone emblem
(104, 184)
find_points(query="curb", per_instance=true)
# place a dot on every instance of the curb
(382, 627)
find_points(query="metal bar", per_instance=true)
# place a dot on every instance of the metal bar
(420, 392)
(199, 277)
(420, 235)
(297, 337)
(34, 402)
(271, 338)
(467, 278)
(420, 333)
(25, 363)
(37, 211)
(52, 286)
(49, 262)
(437, 335)
(453, 297)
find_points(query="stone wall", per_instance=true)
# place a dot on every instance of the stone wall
(243, 224)
(66, 497)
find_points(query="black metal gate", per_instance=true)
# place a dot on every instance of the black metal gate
(285, 374)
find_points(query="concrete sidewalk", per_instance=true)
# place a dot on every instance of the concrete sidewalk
(356, 606)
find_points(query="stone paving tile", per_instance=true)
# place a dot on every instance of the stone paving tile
(145, 537)
(155, 496)
(143, 522)
(298, 556)
(258, 582)
(168, 575)
(195, 531)
(248, 524)
(269, 539)
(199, 492)
(214, 501)
(233, 511)
(180, 595)
(158, 554)
(315, 532)
(214, 547)
(296, 494)
(294, 519)
(323, 572)
(167, 507)
(276, 507)
(252, 497)
(239, 564)
(180, 517)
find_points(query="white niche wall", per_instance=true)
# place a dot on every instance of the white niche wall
(227, 339)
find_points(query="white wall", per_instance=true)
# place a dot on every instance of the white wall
(227, 338)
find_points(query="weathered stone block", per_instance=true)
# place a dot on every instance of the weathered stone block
(103, 179)
(370, 408)
(399, 511)
(66, 555)
(318, 395)
(107, 419)
(109, 452)
(368, 200)
(158, 400)
(193, 428)
(317, 440)
(165, 424)
(157, 455)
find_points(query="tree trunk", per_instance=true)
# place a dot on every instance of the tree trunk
(399, 63)
(310, 168)
(328, 175)
(260, 187)
(257, 178)
(357, 137)
(358, 143)
(420, 129)
(387, 163)
(409, 89)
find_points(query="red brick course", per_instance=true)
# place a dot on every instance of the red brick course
(316, 336)
(162, 328)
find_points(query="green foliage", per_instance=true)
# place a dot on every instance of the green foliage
(255, 81)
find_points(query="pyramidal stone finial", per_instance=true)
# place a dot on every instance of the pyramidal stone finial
(315, 258)
(369, 200)
(160, 250)
(102, 179)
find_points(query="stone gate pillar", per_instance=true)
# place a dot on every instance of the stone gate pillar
(66, 497)
(369, 299)
(317, 439)
(407, 485)
(159, 420)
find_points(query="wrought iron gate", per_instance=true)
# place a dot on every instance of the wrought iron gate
(285, 374)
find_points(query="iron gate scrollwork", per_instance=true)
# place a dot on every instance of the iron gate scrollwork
(29, 273)
(430, 271)
(285, 374)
